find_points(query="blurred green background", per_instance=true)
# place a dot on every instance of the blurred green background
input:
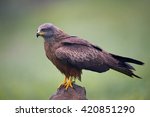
(120, 27)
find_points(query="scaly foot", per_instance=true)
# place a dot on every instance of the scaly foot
(68, 83)
(64, 82)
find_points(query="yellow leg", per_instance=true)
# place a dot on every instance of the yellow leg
(68, 83)
(64, 82)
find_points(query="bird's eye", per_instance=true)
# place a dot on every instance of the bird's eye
(44, 30)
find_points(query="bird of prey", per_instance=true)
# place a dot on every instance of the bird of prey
(71, 54)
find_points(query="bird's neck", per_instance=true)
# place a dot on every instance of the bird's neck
(57, 37)
(60, 35)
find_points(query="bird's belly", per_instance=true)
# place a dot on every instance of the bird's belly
(68, 70)
(65, 68)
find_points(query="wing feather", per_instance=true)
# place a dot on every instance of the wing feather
(81, 55)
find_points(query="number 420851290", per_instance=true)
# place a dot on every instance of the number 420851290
(108, 109)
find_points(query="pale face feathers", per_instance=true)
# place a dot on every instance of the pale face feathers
(46, 30)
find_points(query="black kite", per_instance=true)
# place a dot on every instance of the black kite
(71, 54)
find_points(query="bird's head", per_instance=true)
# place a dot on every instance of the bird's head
(47, 31)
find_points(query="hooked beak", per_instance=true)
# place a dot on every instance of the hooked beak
(40, 34)
(37, 35)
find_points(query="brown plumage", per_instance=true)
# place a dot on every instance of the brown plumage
(71, 54)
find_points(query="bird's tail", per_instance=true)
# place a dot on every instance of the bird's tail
(124, 67)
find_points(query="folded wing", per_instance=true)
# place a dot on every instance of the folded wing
(82, 55)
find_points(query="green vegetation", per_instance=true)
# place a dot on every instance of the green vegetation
(120, 27)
